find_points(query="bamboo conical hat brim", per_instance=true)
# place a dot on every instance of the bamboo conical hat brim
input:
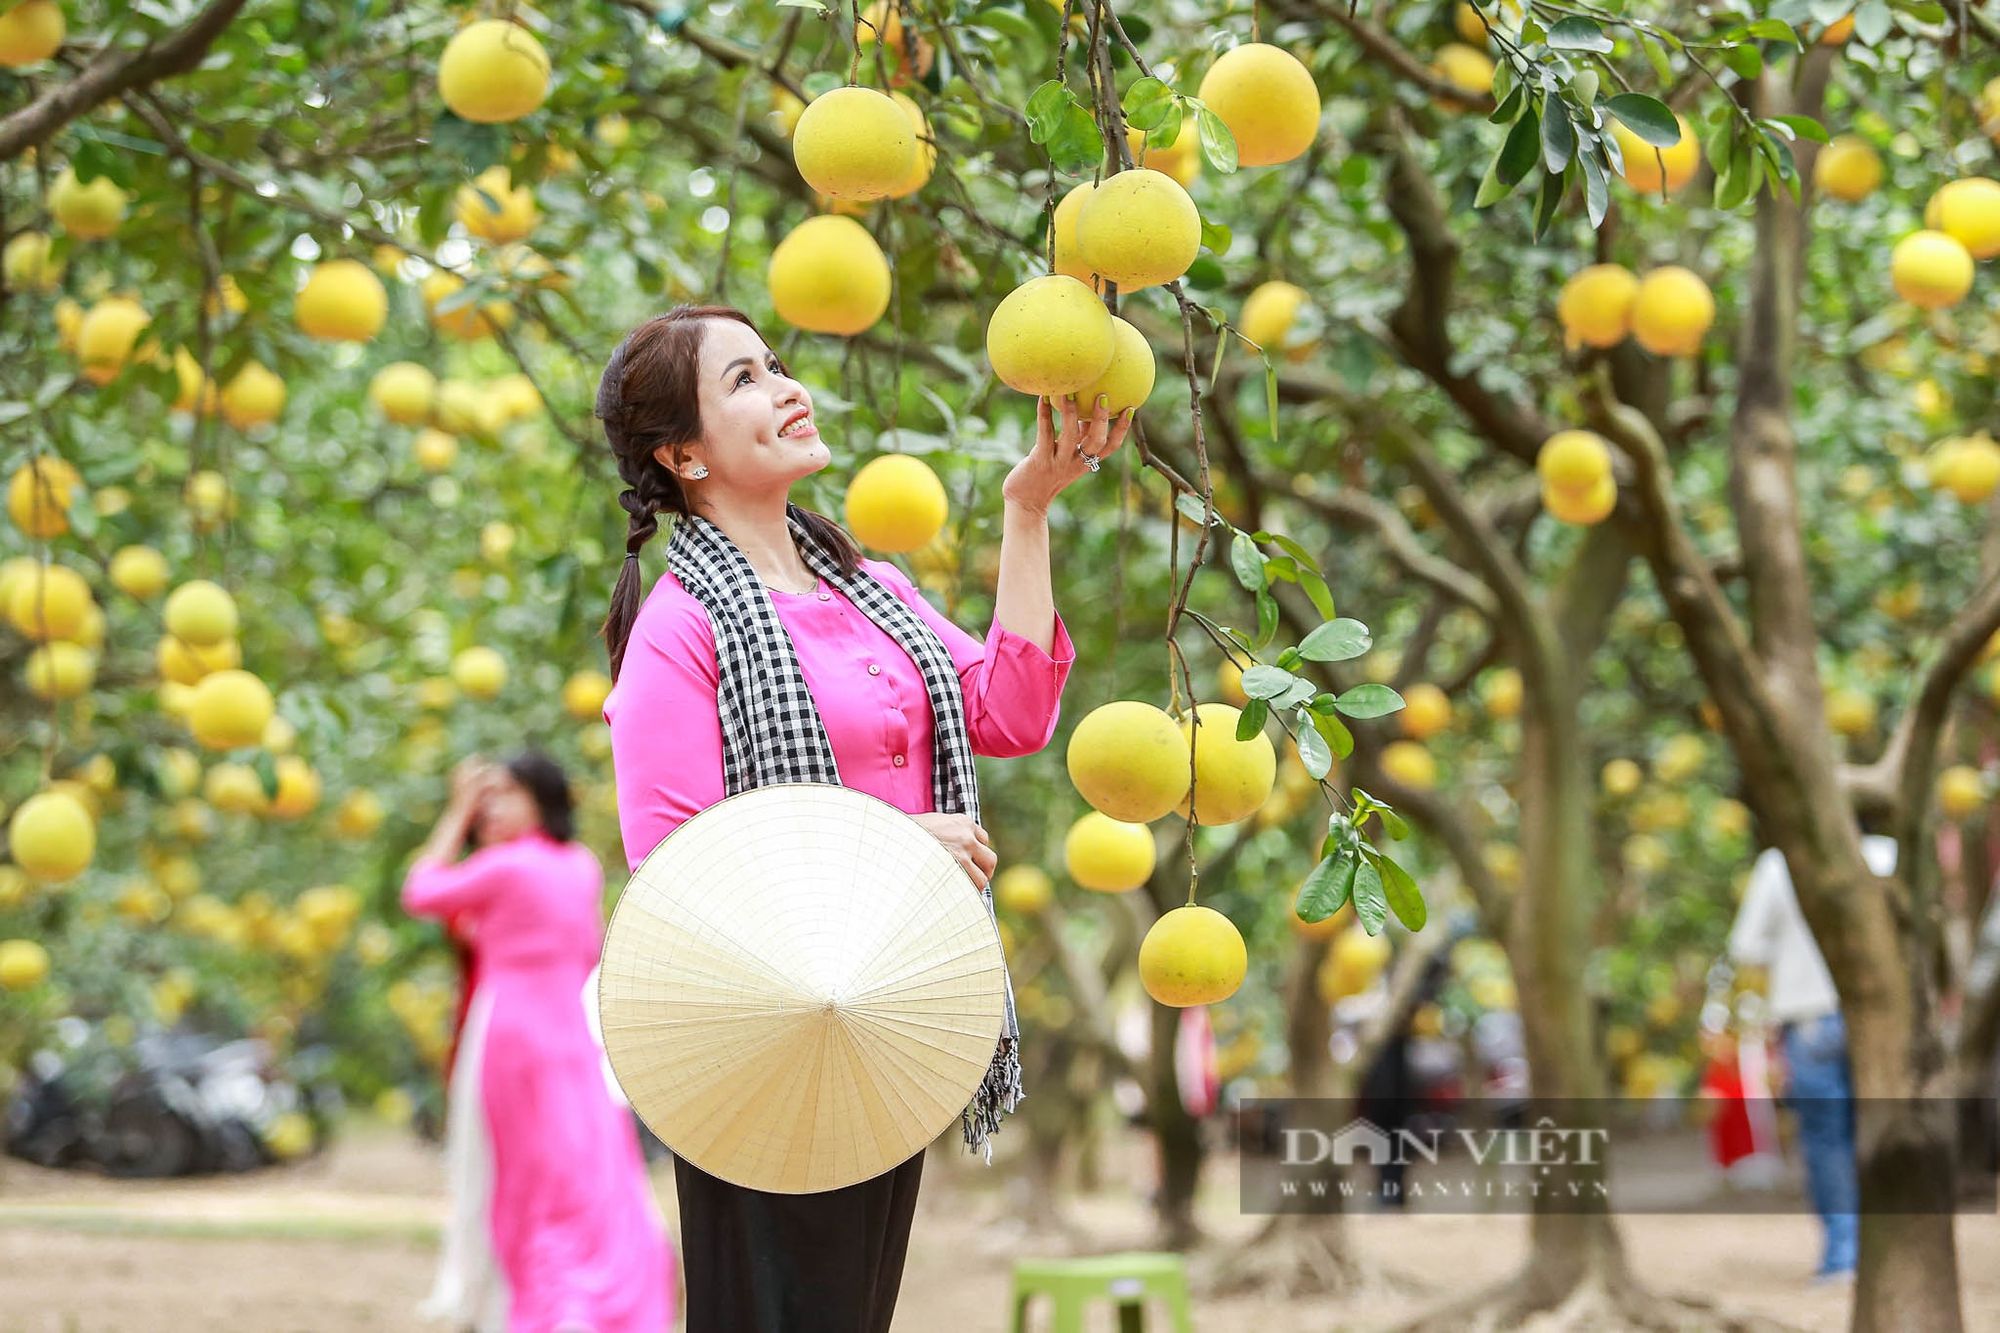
(801, 988)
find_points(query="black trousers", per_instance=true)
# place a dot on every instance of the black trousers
(758, 1262)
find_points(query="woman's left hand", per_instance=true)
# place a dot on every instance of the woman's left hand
(1060, 458)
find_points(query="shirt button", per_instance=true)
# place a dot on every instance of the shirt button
(826, 597)
(898, 761)
(874, 669)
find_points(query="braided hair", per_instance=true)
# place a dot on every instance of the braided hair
(649, 397)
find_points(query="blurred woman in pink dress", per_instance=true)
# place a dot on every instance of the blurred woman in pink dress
(575, 1238)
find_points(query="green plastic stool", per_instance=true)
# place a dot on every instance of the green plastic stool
(1130, 1279)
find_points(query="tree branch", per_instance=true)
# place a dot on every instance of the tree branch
(1392, 53)
(1356, 508)
(112, 74)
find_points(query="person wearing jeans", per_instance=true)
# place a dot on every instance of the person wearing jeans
(1771, 931)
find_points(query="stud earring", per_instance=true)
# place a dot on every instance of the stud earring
(698, 471)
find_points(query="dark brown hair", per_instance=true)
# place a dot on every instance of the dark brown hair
(650, 396)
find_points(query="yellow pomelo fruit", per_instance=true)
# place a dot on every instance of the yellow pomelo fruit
(1968, 211)
(1729, 818)
(1410, 764)
(298, 788)
(1068, 261)
(1266, 97)
(926, 158)
(1573, 460)
(1960, 793)
(24, 964)
(1180, 159)
(15, 886)
(1128, 380)
(584, 693)
(343, 301)
(515, 395)
(1672, 311)
(613, 131)
(253, 397)
(359, 814)
(1229, 683)
(466, 320)
(480, 671)
(1231, 777)
(1129, 760)
(1024, 888)
(105, 338)
(1050, 336)
(496, 540)
(1583, 508)
(912, 53)
(829, 276)
(1268, 313)
(1426, 711)
(196, 392)
(50, 602)
(1106, 855)
(235, 789)
(30, 31)
(403, 390)
(1353, 962)
(1192, 955)
(52, 837)
(61, 670)
(201, 613)
(230, 708)
(854, 143)
(495, 210)
(87, 212)
(1649, 169)
(185, 663)
(227, 294)
(279, 736)
(493, 71)
(1681, 757)
(1595, 306)
(1989, 109)
(458, 408)
(1465, 68)
(1847, 168)
(1138, 229)
(39, 496)
(1971, 468)
(27, 262)
(1474, 27)
(434, 450)
(1931, 269)
(1838, 31)
(785, 111)
(1850, 712)
(895, 503)
(291, 1135)
(68, 316)
(1502, 693)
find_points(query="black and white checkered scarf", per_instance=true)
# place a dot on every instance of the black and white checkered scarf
(771, 731)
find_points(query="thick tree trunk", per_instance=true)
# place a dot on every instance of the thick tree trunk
(1178, 1136)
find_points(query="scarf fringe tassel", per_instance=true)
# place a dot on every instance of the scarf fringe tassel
(998, 1092)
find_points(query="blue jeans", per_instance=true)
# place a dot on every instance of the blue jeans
(1822, 1096)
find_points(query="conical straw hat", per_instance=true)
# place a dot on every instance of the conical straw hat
(801, 988)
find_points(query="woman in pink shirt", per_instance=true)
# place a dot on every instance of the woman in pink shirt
(705, 421)
(576, 1240)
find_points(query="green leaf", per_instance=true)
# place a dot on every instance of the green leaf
(1192, 507)
(1327, 887)
(1517, 154)
(1290, 659)
(1251, 720)
(1335, 733)
(1398, 827)
(1596, 200)
(1076, 145)
(1509, 107)
(1746, 62)
(1267, 616)
(1146, 103)
(1647, 117)
(1314, 752)
(1371, 700)
(1491, 188)
(1558, 136)
(1337, 641)
(1246, 561)
(1271, 394)
(1656, 56)
(1316, 589)
(1774, 30)
(825, 81)
(1218, 145)
(1554, 184)
(1872, 22)
(1804, 127)
(1265, 681)
(1577, 34)
(1406, 900)
(1371, 905)
(1045, 110)
(1216, 236)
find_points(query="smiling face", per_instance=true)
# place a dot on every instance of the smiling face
(507, 810)
(757, 428)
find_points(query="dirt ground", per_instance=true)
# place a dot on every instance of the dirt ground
(345, 1243)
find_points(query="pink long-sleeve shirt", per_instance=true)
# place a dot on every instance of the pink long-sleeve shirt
(666, 731)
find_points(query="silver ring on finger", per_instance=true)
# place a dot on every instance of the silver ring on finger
(1090, 461)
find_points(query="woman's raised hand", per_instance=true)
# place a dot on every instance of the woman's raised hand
(1060, 457)
(967, 841)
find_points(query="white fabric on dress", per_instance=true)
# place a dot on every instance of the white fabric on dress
(469, 1291)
